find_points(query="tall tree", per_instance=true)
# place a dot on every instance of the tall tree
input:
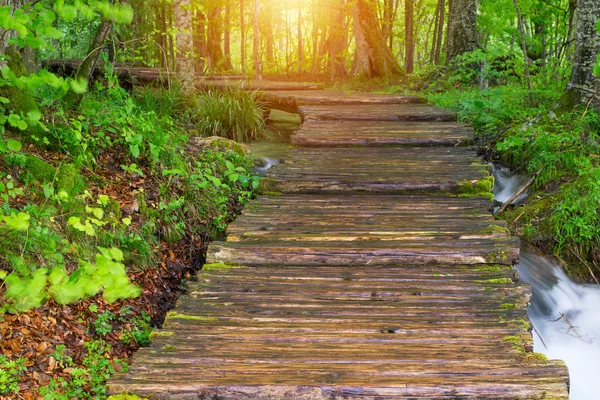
(256, 44)
(337, 39)
(243, 36)
(584, 86)
(462, 28)
(409, 34)
(227, 36)
(438, 32)
(215, 33)
(184, 42)
(373, 58)
(300, 55)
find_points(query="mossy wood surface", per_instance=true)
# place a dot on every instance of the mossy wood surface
(349, 285)
(381, 134)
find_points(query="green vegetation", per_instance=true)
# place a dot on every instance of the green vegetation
(10, 371)
(232, 113)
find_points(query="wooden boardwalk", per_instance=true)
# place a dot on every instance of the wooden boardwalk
(370, 268)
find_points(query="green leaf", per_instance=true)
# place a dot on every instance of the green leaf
(4, 100)
(13, 145)
(79, 86)
(18, 222)
(22, 125)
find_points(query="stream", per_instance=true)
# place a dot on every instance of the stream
(564, 314)
(269, 152)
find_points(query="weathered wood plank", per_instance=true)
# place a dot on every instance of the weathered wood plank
(381, 134)
(376, 112)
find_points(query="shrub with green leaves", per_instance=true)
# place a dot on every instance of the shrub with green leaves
(10, 373)
(233, 113)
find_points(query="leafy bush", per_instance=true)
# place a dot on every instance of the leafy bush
(233, 113)
(10, 372)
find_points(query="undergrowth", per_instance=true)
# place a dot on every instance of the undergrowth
(530, 132)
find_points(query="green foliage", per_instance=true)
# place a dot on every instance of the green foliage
(555, 147)
(234, 113)
(88, 381)
(140, 332)
(576, 220)
(10, 373)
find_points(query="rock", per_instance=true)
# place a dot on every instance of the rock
(196, 144)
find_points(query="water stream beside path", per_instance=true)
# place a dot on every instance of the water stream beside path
(565, 315)
(269, 152)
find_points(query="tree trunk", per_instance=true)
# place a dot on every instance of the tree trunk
(388, 15)
(242, 37)
(440, 31)
(373, 58)
(200, 41)
(584, 87)
(523, 45)
(256, 43)
(409, 59)
(87, 67)
(227, 37)
(462, 28)
(336, 39)
(184, 42)
(300, 55)
(215, 32)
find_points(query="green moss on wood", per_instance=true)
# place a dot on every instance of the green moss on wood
(497, 281)
(215, 267)
(156, 334)
(483, 187)
(273, 194)
(174, 314)
(268, 185)
(126, 397)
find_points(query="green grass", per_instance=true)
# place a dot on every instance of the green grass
(232, 113)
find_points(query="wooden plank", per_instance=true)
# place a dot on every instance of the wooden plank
(381, 134)
(376, 170)
(376, 112)
(230, 343)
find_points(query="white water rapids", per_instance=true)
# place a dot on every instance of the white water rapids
(565, 315)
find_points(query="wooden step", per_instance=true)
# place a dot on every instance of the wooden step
(376, 112)
(381, 134)
(290, 100)
(296, 333)
(376, 170)
(315, 230)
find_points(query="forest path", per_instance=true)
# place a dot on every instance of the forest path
(368, 269)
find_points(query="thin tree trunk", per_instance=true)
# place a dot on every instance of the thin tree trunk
(87, 67)
(215, 52)
(256, 43)
(440, 28)
(336, 39)
(409, 59)
(242, 37)
(227, 37)
(523, 45)
(200, 41)
(300, 55)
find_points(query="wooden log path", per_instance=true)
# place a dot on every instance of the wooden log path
(369, 268)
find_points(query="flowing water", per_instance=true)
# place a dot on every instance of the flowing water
(565, 315)
(566, 318)
(269, 152)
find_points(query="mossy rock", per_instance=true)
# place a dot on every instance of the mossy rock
(267, 186)
(196, 144)
(69, 180)
(39, 169)
(21, 100)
